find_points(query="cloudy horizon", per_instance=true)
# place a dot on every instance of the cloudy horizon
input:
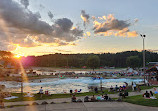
(31, 27)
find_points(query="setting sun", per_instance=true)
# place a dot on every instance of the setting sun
(17, 56)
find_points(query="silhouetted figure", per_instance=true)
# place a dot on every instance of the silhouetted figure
(73, 98)
(146, 95)
(70, 91)
(86, 99)
(96, 90)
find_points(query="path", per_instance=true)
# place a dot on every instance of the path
(88, 106)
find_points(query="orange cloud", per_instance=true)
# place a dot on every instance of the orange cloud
(132, 34)
(109, 25)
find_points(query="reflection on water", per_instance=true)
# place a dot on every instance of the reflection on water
(56, 85)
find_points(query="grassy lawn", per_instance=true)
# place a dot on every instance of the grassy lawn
(142, 88)
(140, 100)
(53, 96)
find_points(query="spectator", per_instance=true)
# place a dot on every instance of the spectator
(41, 92)
(93, 98)
(102, 97)
(134, 87)
(151, 93)
(120, 94)
(116, 88)
(146, 95)
(106, 97)
(111, 88)
(73, 98)
(96, 90)
(139, 89)
(121, 88)
(124, 87)
(124, 94)
(70, 91)
(98, 97)
(86, 99)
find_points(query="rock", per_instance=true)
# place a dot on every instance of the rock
(44, 102)
(35, 103)
(52, 102)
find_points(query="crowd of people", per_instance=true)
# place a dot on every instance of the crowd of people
(93, 98)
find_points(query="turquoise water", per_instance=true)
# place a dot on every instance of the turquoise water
(56, 85)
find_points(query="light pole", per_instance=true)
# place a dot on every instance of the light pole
(101, 84)
(143, 37)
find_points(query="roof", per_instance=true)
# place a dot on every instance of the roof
(152, 69)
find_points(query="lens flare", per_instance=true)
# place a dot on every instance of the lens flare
(17, 56)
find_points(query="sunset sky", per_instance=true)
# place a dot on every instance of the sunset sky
(38, 27)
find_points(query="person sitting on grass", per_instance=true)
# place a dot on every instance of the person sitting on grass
(152, 95)
(106, 97)
(125, 93)
(86, 99)
(98, 97)
(93, 98)
(121, 88)
(73, 98)
(139, 89)
(102, 97)
(116, 88)
(124, 87)
(146, 95)
(111, 88)
(120, 95)
(28, 94)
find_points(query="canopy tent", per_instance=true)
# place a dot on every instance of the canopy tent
(153, 69)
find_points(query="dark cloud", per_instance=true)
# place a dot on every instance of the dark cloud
(64, 30)
(18, 22)
(114, 24)
(65, 24)
(17, 17)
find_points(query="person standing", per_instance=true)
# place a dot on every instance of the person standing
(41, 92)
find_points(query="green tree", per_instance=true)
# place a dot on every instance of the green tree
(133, 61)
(93, 61)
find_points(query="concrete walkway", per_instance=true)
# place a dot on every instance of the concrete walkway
(89, 106)
(61, 100)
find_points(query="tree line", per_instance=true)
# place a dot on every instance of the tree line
(120, 59)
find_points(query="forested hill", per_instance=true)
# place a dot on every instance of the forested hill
(80, 60)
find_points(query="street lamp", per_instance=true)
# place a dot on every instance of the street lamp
(143, 37)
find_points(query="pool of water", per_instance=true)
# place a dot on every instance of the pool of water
(56, 85)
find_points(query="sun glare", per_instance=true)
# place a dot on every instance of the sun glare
(17, 56)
